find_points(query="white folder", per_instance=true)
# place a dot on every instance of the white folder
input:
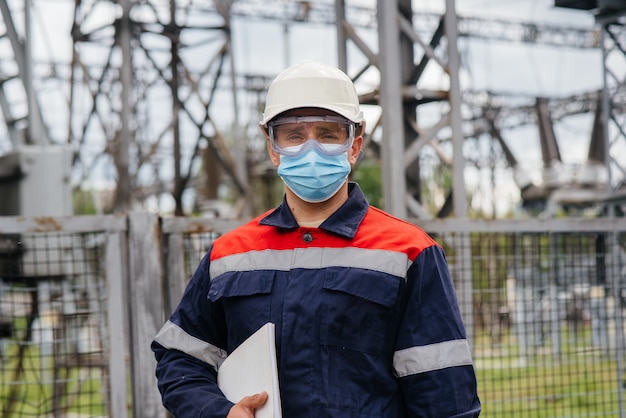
(251, 368)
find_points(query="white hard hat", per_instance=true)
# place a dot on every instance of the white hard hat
(312, 84)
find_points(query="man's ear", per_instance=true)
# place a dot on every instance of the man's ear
(274, 157)
(355, 151)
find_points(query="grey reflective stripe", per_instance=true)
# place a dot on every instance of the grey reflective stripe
(431, 357)
(391, 262)
(171, 336)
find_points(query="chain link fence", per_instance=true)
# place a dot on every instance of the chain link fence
(548, 331)
(81, 299)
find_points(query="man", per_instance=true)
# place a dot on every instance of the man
(367, 322)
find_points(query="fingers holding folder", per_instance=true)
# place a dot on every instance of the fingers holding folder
(245, 408)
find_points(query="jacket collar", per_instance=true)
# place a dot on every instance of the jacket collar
(344, 221)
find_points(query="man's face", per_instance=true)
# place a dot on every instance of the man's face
(330, 131)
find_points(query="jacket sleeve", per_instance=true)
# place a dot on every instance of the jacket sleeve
(188, 349)
(432, 358)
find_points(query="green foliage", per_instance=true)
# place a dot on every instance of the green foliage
(369, 176)
(436, 184)
(82, 202)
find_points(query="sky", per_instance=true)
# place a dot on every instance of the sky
(502, 67)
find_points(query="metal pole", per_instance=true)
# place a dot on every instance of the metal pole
(122, 202)
(239, 138)
(342, 51)
(458, 181)
(394, 180)
(36, 134)
(606, 112)
(463, 273)
(174, 62)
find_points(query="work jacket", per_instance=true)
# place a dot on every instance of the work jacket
(366, 319)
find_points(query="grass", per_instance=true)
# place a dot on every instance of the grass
(30, 392)
(567, 390)
(578, 381)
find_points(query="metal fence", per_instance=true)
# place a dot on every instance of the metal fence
(59, 294)
(547, 314)
(82, 297)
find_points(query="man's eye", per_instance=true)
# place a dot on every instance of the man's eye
(295, 138)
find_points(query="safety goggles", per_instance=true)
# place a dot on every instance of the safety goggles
(291, 136)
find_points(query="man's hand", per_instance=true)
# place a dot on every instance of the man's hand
(245, 407)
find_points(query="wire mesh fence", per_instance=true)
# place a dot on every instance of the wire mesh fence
(547, 318)
(53, 336)
(548, 332)
(543, 306)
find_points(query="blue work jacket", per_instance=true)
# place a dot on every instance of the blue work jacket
(367, 321)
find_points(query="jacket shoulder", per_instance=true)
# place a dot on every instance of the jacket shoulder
(247, 237)
(395, 233)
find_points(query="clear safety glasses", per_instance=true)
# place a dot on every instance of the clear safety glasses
(291, 136)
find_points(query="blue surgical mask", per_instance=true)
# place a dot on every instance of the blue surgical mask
(314, 176)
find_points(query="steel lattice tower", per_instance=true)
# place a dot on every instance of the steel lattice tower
(150, 79)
